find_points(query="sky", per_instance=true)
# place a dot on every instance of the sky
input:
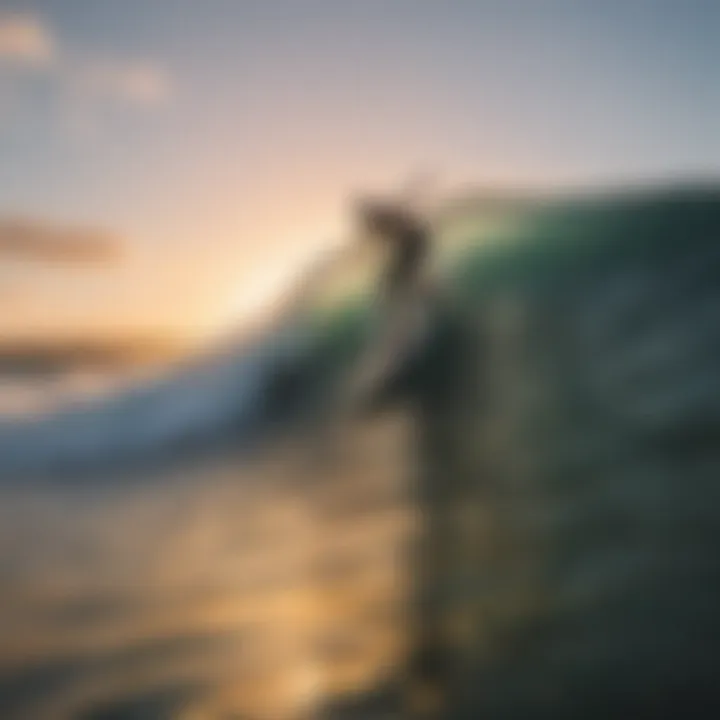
(209, 147)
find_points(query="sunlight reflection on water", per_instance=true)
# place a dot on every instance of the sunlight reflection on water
(223, 590)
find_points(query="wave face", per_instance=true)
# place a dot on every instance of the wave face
(218, 394)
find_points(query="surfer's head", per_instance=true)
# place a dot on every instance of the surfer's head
(380, 219)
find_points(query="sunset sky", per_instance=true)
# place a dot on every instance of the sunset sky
(209, 146)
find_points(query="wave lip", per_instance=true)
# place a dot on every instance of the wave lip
(217, 394)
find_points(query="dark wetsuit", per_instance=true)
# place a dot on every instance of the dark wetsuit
(398, 329)
(408, 238)
(410, 250)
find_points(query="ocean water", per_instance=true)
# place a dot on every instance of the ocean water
(216, 584)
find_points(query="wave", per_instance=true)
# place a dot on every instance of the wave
(219, 393)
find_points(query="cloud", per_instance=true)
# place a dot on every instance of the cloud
(25, 40)
(135, 83)
(32, 240)
(87, 83)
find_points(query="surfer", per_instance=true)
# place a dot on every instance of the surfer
(401, 305)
